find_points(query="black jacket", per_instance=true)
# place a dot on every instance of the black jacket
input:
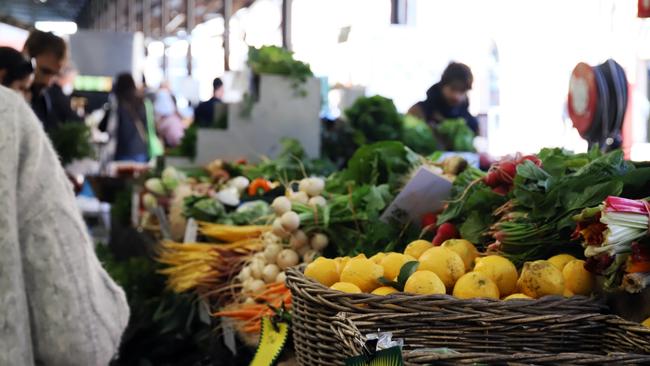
(435, 105)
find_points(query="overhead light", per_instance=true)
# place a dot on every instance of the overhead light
(56, 27)
(43, 1)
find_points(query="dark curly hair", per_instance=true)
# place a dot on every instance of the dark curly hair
(40, 42)
(15, 65)
(458, 74)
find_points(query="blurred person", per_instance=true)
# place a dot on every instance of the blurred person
(447, 99)
(168, 120)
(58, 306)
(129, 123)
(48, 52)
(205, 113)
(60, 93)
(16, 72)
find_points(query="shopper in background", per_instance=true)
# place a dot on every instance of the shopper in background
(448, 98)
(57, 304)
(16, 72)
(60, 93)
(168, 121)
(205, 114)
(130, 123)
(49, 54)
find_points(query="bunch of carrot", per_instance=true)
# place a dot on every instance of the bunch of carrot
(249, 314)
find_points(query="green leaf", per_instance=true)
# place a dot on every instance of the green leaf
(474, 227)
(386, 282)
(405, 272)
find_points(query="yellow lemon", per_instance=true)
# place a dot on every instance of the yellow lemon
(517, 296)
(341, 263)
(350, 288)
(363, 273)
(378, 257)
(560, 260)
(466, 250)
(567, 293)
(416, 248)
(323, 270)
(540, 278)
(445, 263)
(577, 279)
(500, 270)
(424, 283)
(392, 264)
(646, 323)
(384, 290)
(475, 285)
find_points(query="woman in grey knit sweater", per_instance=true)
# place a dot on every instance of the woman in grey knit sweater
(57, 304)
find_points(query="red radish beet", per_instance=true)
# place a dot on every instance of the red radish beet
(532, 158)
(501, 190)
(428, 219)
(509, 168)
(445, 232)
(491, 179)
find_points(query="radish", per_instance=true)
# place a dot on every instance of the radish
(271, 252)
(290, 221)
(240, 183)
(257, 266)
(319, 241)
(281, 277)
(278, 229)
(245, 274)
(304, 185)
(299, 197)
(315, 186)
(249, 301)
(270, 272)
(445, 231)
(317, 201)
(257, 286)
(309, 256)
(298, 239)
(287, 258)
(281, 205)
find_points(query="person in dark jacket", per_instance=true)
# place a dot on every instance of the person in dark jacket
(447, 99)
(15, 71)
(127, 122)
(59, 94)
(206, 114)
(49, 54)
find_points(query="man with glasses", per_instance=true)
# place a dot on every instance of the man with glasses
(48, 54)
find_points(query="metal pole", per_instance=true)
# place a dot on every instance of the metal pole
(189, 25)
(286, 24)
(130, 9)
(227, 13)
(163, 18)
(146, 17)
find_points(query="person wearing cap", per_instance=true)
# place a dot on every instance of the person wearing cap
(447, 99)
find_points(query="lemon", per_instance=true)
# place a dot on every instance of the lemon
(350, 288)
(341, 262)
(323, 270)
(540, 278)
(378, 257)
(417, 247)
(424, 283)
(384, 290)
(518, 296)
(577, 279)
(567, 293)
(475, 285)
(560, 260)
(500, 270)
(445, 263)
(646, 323)
(363, 273)
(466, 250)
(392, 264)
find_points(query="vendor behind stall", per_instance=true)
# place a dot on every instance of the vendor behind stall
(448, 98)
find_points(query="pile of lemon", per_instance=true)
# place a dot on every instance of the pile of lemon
(454, 268)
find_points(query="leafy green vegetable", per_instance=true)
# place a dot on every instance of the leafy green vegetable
(379, 163)
(456, 135)
(71, 141)
(417, 135)
(249, 213)
(374, 119)
(278, 61)
(203, 208)
(187, 147)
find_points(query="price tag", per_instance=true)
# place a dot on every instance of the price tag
(272, 341)
(191, 229)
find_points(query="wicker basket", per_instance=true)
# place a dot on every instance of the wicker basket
(551, 324)
(622, 342)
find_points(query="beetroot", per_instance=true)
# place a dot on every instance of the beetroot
(445, 232)
(428, 219)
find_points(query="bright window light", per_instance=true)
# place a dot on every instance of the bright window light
(60, 28)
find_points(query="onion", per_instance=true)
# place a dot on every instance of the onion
(271, 252)
(278, 230)
(257, 286)
(290, 221)
(245, 274)
(270, 272)
(298, 239)
(246, 285)
(257, 266)
(315, 186)
(317, 201)
(281, 205)
(281, 277)
(319, 241)
(287, 258)
(299, 197)
(309, 256)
